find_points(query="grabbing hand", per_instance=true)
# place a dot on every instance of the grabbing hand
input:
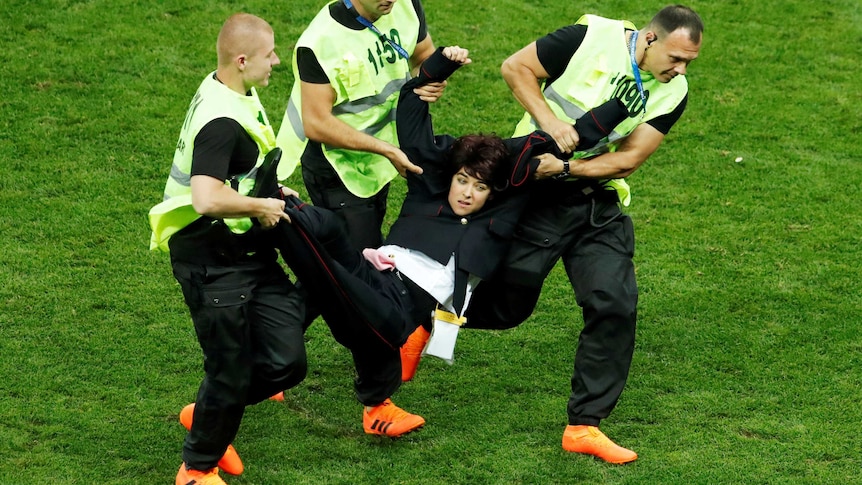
(430, 92)
(549, 166)
(287, 191)
(402, 163)
(564, 134)
(272, 211)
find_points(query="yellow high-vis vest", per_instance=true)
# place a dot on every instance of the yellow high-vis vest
(601, 69)
(366, 74)
(212, 100)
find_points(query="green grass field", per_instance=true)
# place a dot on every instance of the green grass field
(747, 366)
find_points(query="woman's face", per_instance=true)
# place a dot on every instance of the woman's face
(467, 194)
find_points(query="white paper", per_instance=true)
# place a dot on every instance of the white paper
(442, 341)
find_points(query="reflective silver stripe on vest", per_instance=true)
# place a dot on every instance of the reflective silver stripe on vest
(180, 177)
(574, 112)
(185, 179)
(571, 110)
(373, 129)
(366, 103)
(295, 120)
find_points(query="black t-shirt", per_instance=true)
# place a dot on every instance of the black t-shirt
(223, 149)
(310, 70)
(556, 49)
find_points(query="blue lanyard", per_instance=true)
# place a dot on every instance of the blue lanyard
(635, 67)
(367, 23)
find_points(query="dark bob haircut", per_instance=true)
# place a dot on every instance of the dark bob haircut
(480, 156)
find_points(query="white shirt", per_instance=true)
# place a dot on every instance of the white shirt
(431, 276)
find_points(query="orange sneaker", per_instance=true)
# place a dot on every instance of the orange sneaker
(230, 462)
(197, 477)
(388, 419)
(411, 352)
(591, 441)
(277, 397)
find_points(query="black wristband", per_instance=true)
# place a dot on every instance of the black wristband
(565, 173)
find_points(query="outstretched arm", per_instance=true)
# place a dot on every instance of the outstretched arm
(413, 120)
(634, 150)
(322, 126)
(431, 92)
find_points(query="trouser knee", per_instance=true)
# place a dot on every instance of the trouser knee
(610, 306)
(288, 374)
(277, 379)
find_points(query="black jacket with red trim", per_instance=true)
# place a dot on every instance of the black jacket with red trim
(426, 222)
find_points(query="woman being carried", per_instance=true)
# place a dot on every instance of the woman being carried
(453, 230)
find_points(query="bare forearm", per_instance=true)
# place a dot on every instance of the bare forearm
(633, 151)
(335, 133)
(422, 51)
(322, 126)
(606, 166)
(216, 200)
(523, 71)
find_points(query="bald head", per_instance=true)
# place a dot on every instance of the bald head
(241, 34)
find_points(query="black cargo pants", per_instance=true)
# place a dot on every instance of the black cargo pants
(595, 242)
(248, 320)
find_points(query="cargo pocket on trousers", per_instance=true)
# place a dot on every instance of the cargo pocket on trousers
(221, 298)
(224, 316)
(531, 257)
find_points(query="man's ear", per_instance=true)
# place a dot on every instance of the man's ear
(240, 61)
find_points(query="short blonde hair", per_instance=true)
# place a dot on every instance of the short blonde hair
(240, 34)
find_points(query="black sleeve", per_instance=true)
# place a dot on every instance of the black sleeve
(664, 123)
(556, 49)
(521, 164)
(309, 69)
(223, 149)
(423, 25)
(413, 120)
(214, 147)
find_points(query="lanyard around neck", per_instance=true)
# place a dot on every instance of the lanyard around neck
(635, 67)
(370, 26)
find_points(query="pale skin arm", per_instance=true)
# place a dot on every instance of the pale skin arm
(422, 51)
(522, 71)
(321, 126)
(633, 151)
(211, 197)
(457, 54)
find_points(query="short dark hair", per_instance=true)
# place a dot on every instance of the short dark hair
(479, 156)
(674, 17)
